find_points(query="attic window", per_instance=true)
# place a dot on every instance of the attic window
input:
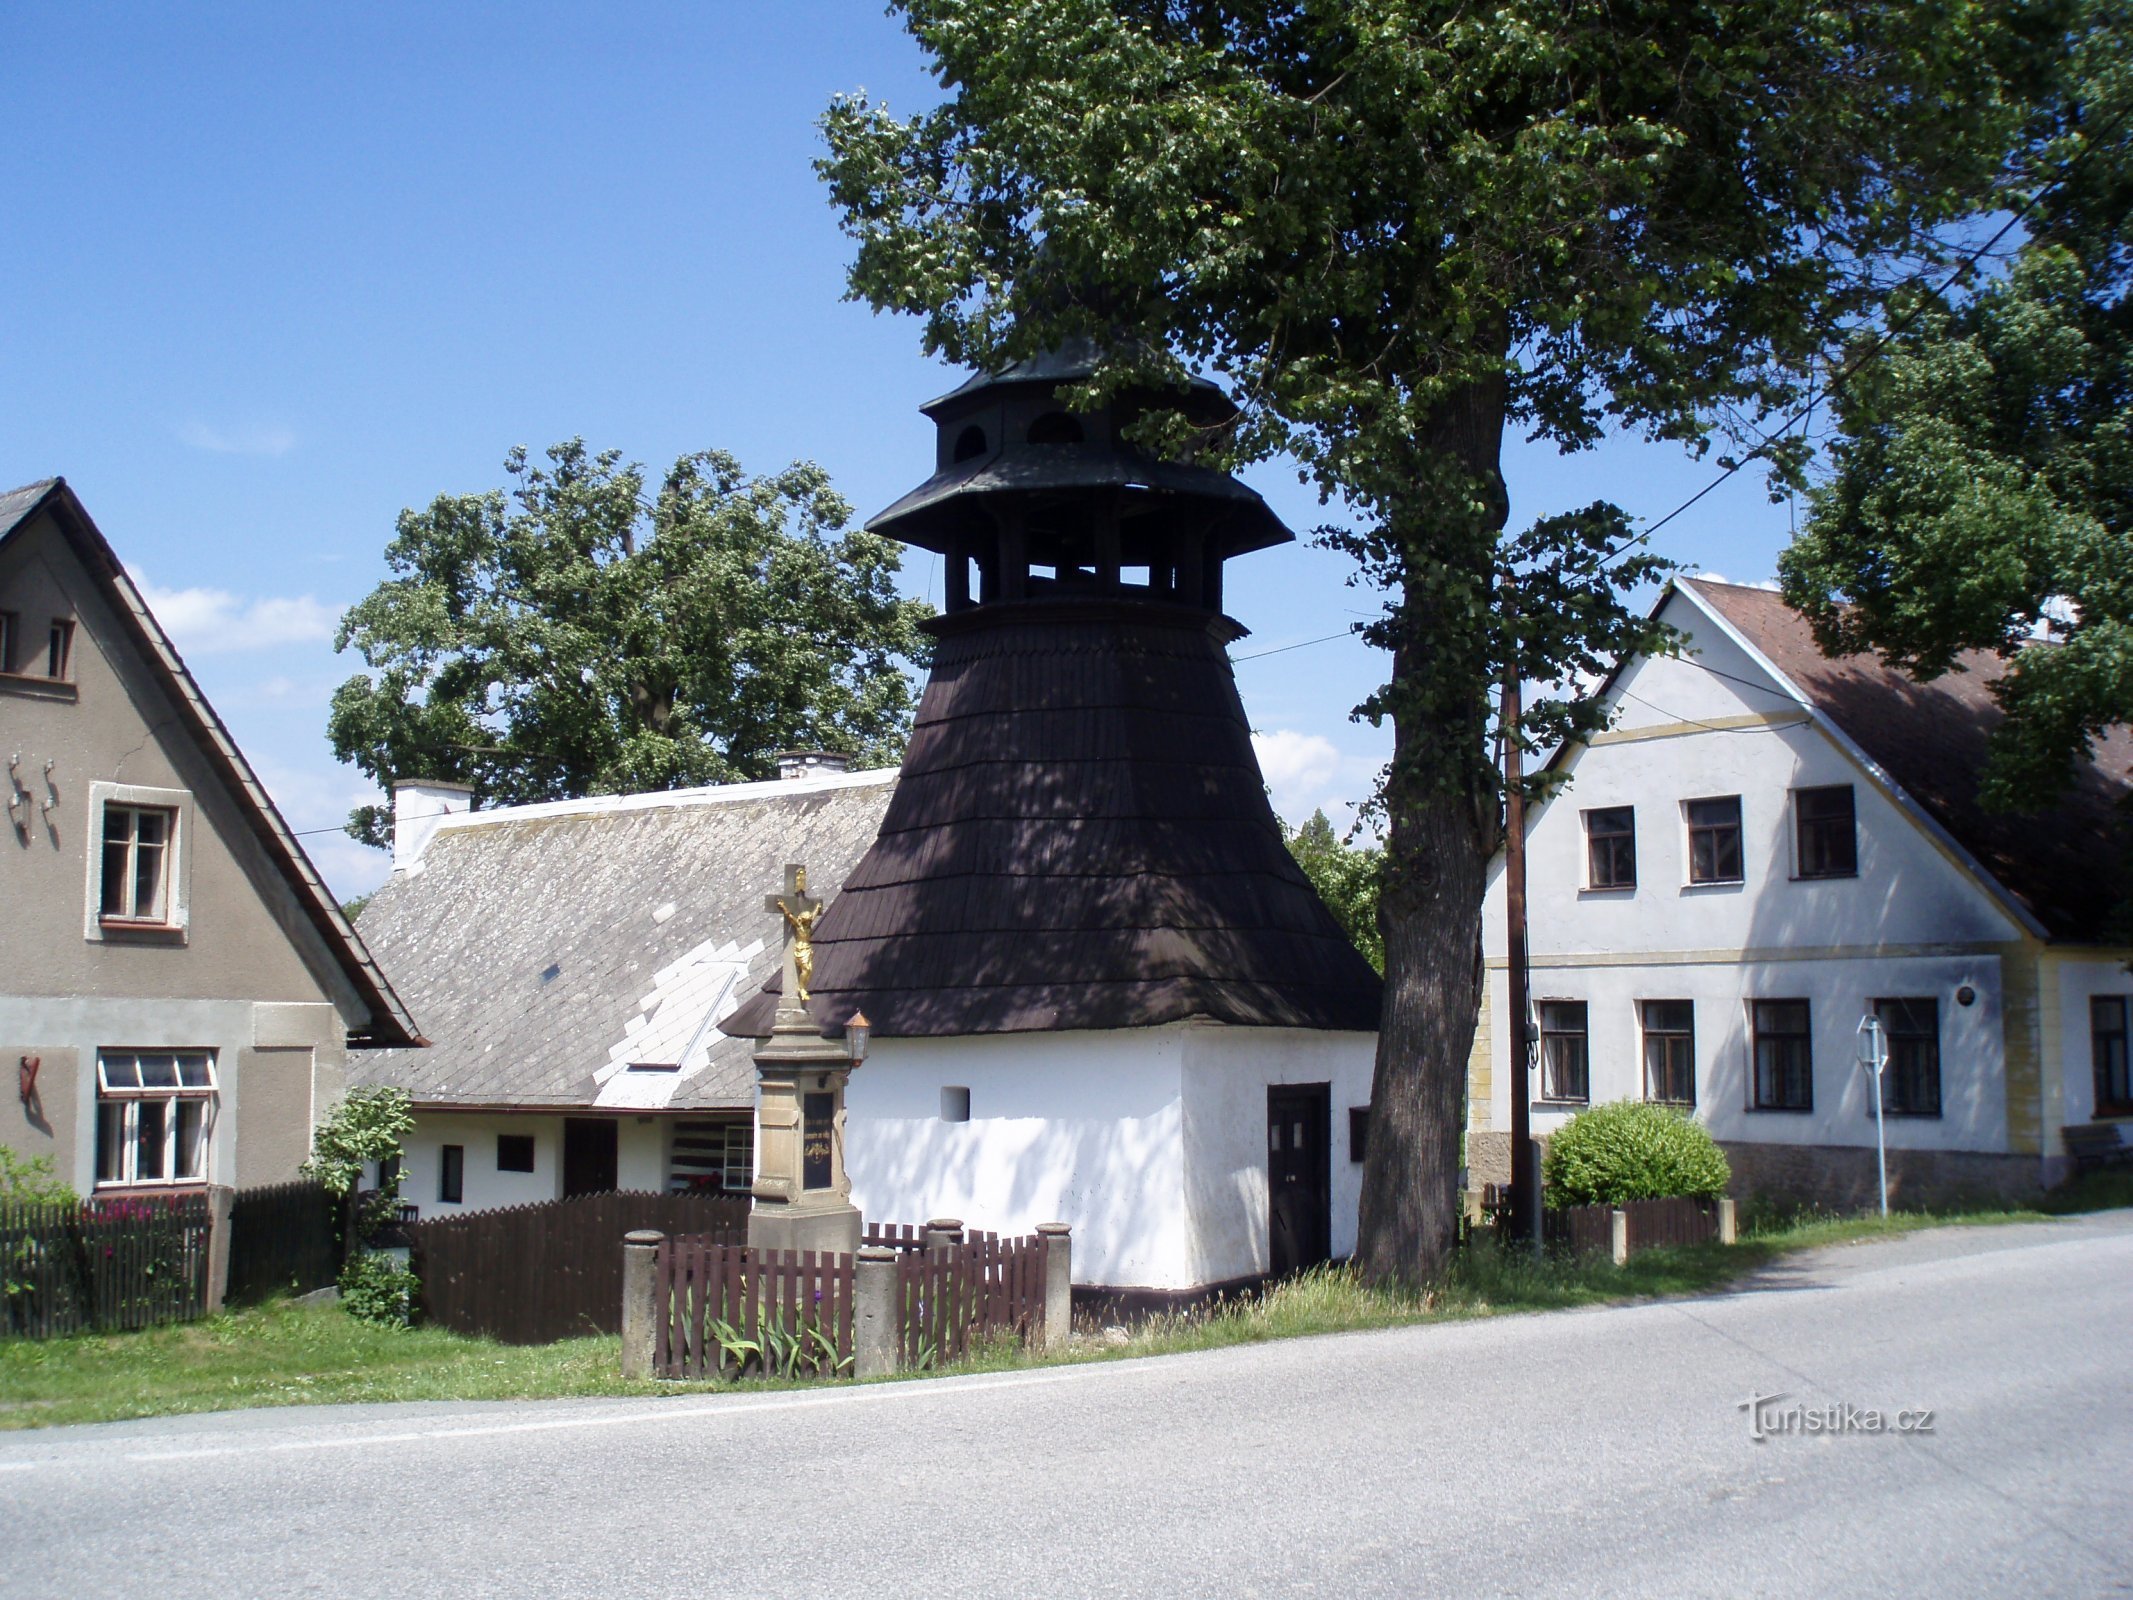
(1055, 427)
(59, 649)
(655, 1066)
(551, 972)
(970, 443)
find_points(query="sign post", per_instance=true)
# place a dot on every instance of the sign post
(1874, 1058)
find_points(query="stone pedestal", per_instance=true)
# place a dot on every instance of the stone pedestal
(802, 1196)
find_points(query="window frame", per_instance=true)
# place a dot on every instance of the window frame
(121, 1105)
(1691, 828)
(516, 1140)
(10, 632)
(1647, 1035)
(451, 1174)
(1883, 1007)
(1756, 1036)
(1800, 824)
(177, 864)
(2104, 1105)
(59, 651)
(1618, 842)
(1550, 1073)
(133, 844)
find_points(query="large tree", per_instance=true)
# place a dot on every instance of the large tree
(1981, 488)
(1393, 228)
(577, 636)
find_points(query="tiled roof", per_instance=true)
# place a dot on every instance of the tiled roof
(549, 949)
(2070, 865)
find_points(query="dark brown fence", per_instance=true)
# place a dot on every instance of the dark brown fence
(103, 1266)
(1590, 1229)
(1684, 1220)
(905, 1236)
(952, 1298)
(537, 1273)
(286, 1237)
(722, 1307)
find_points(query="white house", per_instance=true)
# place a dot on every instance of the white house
(1768, 844)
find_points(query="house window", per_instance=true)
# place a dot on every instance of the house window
(712, 1157)
(1563, 1057)
(514, 1152)
(2107, 1046)
(1784, 1061)
(452, 1174)
(154, 1112)
(59, 648)
(1358, 1132)
(7, 641)
(1611, 848)
(1828, 837)
(955, 1103)
(137, 849)
(1910, 1082)
(1669, 1051)
(1714, 840)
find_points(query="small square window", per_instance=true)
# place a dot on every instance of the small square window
(451, 1174)
(1611, 848)
(514, 1152)
(1714, 840)
(1564, 1060)
(955, 1104)
(1827, 834)
(8, 625)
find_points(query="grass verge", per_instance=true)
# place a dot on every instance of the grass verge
(288, 1354)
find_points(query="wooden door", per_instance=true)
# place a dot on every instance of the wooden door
(1299, 1171)
(589, 1160)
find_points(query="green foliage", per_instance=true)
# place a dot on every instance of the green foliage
(577, 635)
(378, 1288)
(1346, 878)
(1392, 228)
(367, 1125)
(1981, 491)
(1631, 1150)
(31, 1180)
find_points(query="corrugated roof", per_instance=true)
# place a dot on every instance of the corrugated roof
(389, 1022)
(1081, 839)
(2070, 865)
(551, 948)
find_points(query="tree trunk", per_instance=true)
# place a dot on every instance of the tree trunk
(1443, 827)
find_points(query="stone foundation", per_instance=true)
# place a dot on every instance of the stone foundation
(1842, 1177)
(1488, 1159)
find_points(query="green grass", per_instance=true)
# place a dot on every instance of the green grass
(288, 1354)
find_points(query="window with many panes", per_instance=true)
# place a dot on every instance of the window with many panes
(1910, 1082)
(713, 1157)
(1611, 848)
(1669, 1051)
(1714, 839)
(2107, 1046)
(1826, 833)
(1564, 1060)
(1784, 1060)
(155, 1111)
(137, 852)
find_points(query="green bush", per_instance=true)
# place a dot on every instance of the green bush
(377, 1288)
(1629, 1150)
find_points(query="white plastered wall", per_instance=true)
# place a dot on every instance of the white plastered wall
(640, 1151)
(2078, 979)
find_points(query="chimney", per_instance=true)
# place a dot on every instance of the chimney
(420, 806)
(811, 763)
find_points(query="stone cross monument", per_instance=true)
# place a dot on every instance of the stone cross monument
(802, 1197)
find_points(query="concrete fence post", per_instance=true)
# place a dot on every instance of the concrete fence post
(1618, 1229)
(877, 1335)
(219, 1200)
(943, 1232)
(1058, 1285)
(1728, 1220)
(640, 1300)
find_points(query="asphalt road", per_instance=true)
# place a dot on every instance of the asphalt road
(1590, 1453)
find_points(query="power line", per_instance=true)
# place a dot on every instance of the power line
(1301, 644)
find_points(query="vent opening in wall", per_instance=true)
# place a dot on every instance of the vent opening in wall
(955, 1105)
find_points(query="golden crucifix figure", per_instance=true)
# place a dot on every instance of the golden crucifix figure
(800, 910)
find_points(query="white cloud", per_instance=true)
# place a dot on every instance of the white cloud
(1739, 583)
(256, 439)
(1299, 767)
(205, 622)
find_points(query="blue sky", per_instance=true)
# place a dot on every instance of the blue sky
(270, 274)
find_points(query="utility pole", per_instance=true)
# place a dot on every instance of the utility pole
(1525, 1169)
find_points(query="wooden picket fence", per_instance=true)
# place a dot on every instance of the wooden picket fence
(721, 1306)
(102, 1266)
(1589, 1230)
(533, 1274)
(905, 1236)
(1683, 1220)
(953, 1298)
(285, 1236)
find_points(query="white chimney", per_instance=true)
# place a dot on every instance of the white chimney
(420, 806)
(810, 763)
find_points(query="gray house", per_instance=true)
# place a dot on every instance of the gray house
(180, 996)
(571, 962)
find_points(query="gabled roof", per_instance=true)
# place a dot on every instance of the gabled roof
(2068, 867)
(552, 948)
(390, 1023)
